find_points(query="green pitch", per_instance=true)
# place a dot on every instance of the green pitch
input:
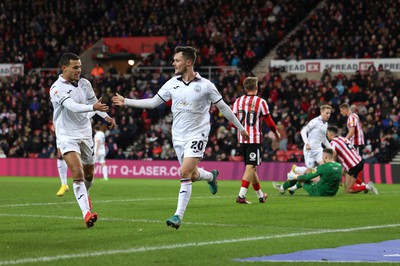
(38, 228)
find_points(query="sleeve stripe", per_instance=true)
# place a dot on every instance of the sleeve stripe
(161, 97)
(92, 97)
(217, 101)
(64, 100)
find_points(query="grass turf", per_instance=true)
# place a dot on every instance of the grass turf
(38, 228)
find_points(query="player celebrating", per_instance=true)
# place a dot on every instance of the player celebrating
(100, 150)
(352, 162)
(192, 96)
(250, 108)
(72, 98)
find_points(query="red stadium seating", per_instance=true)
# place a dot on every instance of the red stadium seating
(281, 155)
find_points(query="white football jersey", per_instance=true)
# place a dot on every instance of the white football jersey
(100, 138)
(316, 132)
(191, 103)
(67, 124)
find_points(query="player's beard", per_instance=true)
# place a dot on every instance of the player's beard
(181, 72)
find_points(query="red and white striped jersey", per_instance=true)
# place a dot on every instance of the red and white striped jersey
(346, 153)
(358, 137)
(249, 109)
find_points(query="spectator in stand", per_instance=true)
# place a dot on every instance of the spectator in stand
(283, 140)
(97, 71)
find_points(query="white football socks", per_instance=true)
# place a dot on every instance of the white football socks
(184, 196)
(242, 192)
(259, 193)
(205, 175)
(81, 196)
(104, 169)
(62, 171)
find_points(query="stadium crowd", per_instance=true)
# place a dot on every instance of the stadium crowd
(26, 114)
(226, 34)
(346, 29)
(237, 33)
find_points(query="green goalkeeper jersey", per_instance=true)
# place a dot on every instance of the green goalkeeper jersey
(330, 175)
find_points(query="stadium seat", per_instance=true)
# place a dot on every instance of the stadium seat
(236, 158)
(281, 155)
(299, 155)
(32, 155)
(292, 147)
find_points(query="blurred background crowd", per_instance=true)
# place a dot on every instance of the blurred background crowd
(227, 33)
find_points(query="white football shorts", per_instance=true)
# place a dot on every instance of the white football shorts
(84, 147)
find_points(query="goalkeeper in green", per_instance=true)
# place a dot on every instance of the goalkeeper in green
(322, 182)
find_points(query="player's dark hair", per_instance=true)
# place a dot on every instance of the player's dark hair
(328, 151)
(333, 129)
(67, 57)
(188, 52)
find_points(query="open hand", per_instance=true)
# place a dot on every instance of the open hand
(99, 106)
(118, 100)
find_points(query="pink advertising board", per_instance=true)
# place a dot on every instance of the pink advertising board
(277, 171)
(140, 169)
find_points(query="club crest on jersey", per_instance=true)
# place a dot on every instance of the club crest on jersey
(197, 88)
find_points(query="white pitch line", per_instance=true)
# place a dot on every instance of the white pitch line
(102, 201)
(149, 221)
(193, 244)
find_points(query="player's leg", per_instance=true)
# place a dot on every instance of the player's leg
(247, 175)
(309, 160)
(104, 169)
(101, 159)
(62, 173)
(188, 169)
(75, 165)
(262, 197)
(196, 148)
(348, 183)
(246, 180)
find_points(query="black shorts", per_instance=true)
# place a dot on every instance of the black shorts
(356, 169)
(251, 153)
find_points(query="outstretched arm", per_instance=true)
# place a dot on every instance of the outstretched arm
(84, 108)
(143, 103)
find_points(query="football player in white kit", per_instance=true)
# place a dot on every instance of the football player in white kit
(72, 98)
(100, 150)
(313, 135)
(192, 96)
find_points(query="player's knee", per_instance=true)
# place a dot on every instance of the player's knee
(77, 173)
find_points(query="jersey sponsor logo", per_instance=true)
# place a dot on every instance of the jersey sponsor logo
(197, 88)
